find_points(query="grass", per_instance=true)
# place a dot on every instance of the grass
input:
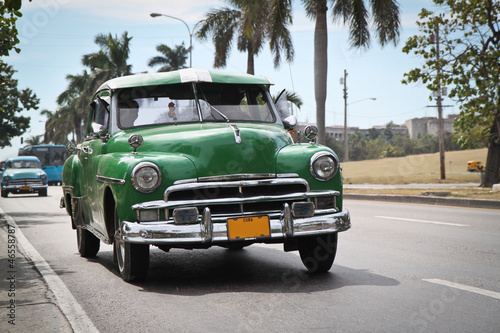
(414, 169)
(419, 169)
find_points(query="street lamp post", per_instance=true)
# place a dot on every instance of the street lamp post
(343, 80)
(189, 31)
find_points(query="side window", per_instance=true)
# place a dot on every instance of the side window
(100, 115)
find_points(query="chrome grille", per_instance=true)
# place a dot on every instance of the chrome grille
(250, 196)
(29, 182)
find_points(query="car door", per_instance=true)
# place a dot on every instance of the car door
(90, 155)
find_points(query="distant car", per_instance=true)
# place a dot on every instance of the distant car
(23, 175)
(197, 158)
(475, 166)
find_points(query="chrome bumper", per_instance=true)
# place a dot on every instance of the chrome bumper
(19, 188)
(282, 226)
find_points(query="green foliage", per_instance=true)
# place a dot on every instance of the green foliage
(9, 12)
(71, 116)
(12, 102)
(172, 59)
(468, 58)
(468, 61)
(251, 23)
(393, 145)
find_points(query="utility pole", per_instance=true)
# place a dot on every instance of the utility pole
(346, 138)
(440, 109)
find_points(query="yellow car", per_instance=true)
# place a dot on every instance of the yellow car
(475, 166)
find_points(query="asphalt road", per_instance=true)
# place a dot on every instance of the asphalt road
(401, 268)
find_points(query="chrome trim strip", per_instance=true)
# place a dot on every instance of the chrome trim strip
(171, 234)
(110, 180)
(240, 183)
(240, 176)
(67, 187)
(162, 204)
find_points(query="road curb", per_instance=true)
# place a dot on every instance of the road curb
(456, 202)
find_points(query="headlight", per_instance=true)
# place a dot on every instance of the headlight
(146, 177)
(43, 176)
(7, 178)
(324, 166)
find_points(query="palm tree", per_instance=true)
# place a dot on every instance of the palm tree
(110, 61)
(58, 126)
(354, 13)
(172, 58)
(251, 23)
(74, 103)
(33, 140)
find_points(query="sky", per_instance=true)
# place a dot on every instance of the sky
(55, 34)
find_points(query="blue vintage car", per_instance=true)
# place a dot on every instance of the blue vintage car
(23, 174)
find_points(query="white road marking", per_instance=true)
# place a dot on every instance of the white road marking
(73, 311)
(422, 221)
(455, 285)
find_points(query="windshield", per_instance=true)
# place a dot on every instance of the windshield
(173, 104)
(24, 165)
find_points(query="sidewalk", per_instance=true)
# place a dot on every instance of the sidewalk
(427, 200)
(26, 303)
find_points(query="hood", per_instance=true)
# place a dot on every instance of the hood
(213, 147)
(23, 173)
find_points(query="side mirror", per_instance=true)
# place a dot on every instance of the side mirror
(99, 129)
(288, 119)
(290, 122)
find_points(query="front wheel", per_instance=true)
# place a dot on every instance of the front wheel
(318, 252)
(132, 259)
(88, 244)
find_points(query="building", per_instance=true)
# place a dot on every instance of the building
(418, 127)
(414, 128)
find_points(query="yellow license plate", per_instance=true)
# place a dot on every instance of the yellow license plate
(248, 227)
(25, 188)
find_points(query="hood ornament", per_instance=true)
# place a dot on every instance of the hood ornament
(236, 132)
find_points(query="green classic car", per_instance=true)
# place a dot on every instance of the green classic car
(198, 158)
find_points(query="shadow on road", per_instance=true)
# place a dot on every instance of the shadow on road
(253, 269)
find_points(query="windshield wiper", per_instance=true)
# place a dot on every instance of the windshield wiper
(214, 108)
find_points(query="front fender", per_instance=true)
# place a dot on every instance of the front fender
(72, 175)
(296, 158)
(118, 166)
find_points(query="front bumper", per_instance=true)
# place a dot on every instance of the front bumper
(282, 226)
(24, 188)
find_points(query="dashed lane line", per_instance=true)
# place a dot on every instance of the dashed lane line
(464, 287)
(422, 221)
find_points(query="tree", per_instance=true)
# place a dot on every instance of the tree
(252, 23)
(386, 19)
(12, 102)
(468, 61)
(74, 102)
(9, 12)
(34, 140)
(172, 59)
(110, 61)
(11, 124)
